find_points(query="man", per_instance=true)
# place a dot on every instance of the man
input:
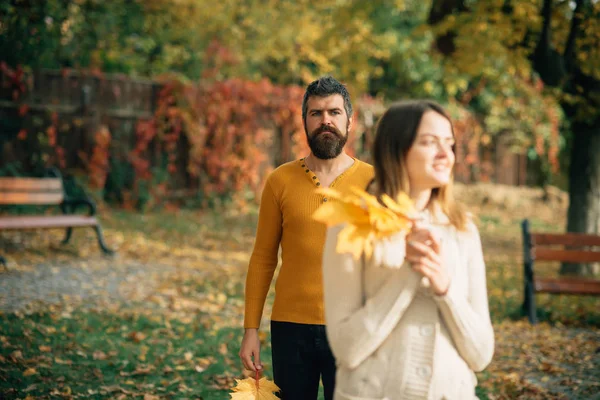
(301, 354)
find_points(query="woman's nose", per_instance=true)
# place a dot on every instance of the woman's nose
(444, 150)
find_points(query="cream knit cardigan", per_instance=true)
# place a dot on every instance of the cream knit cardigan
(393, 338)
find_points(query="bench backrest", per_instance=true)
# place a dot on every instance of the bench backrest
(40, 191)
(564, 247)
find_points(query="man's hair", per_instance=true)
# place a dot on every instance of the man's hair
(323, 87)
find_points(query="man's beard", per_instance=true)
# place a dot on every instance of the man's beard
(326, 147)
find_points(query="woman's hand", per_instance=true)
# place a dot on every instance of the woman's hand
(424, 253)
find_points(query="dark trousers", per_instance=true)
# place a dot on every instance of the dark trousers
(301, 357)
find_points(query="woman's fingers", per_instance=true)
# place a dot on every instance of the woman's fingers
(438, 279)
(434, 243)
(423, 251)
(419, 235)
(424, 262)
(416, 249)
(421, 269)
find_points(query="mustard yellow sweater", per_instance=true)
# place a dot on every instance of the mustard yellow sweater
(288, 201)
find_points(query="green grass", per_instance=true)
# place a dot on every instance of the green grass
(104, 355)
(139, 349)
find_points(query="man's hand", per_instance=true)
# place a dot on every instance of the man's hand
(250, 350)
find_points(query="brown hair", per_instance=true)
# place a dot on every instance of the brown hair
(395, 134)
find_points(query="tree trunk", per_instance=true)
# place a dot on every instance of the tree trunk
(584, 191)
(440, 9)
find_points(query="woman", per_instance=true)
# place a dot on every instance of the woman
(421, 330)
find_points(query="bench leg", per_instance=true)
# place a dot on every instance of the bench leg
(67, 236)
(525, 305)
(529, 303)
(101, 242)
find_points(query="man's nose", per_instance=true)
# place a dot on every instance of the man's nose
(326, 119)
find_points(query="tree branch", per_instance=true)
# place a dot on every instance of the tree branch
(543, 45)
(545, 59)
(440, 9)
(569, 54)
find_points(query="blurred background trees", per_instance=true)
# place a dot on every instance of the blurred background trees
(523, 75)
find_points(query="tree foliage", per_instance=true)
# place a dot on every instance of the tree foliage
(507, 72)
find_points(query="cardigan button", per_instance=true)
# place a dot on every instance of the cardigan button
(424, 371)
(426, 330)
(372, 381)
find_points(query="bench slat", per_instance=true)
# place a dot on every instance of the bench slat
(574, 256)
(31, 198)
(567, 286)
(47, 221)
(30, 184)
(565, 239)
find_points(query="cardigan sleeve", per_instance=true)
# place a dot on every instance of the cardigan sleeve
(356, 325)
(468, 317)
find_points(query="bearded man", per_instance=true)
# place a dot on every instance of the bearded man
(300, 352)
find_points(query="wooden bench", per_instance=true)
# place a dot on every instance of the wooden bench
(46, 192)
(566, 247)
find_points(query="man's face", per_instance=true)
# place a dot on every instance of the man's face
(327, 126)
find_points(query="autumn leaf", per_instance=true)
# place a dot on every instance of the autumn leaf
(223, 349)
(29, 372)
(137, 336)
(99, 355)
(368, 221)
(249, 389)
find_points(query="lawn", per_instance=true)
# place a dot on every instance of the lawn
(162, 319)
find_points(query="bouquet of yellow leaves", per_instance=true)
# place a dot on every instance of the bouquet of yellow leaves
(368, 222)
(254, 388)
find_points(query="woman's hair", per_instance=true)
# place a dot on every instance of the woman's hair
(395, 134)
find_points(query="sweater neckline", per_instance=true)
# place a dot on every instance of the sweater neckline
(315, 180)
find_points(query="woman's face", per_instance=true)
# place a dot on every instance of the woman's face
(430, 160)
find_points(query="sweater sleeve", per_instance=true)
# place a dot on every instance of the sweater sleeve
(264, 257)
(468, 317)
(357, 326)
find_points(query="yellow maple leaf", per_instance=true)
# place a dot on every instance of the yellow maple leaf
(335, 212)
(367, 220)
(353, 239)
(248, 389)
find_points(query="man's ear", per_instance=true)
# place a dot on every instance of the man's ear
(350, 123)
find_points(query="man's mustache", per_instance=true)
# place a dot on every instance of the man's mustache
(327, 128)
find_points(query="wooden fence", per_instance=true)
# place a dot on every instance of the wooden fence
(81, 102)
